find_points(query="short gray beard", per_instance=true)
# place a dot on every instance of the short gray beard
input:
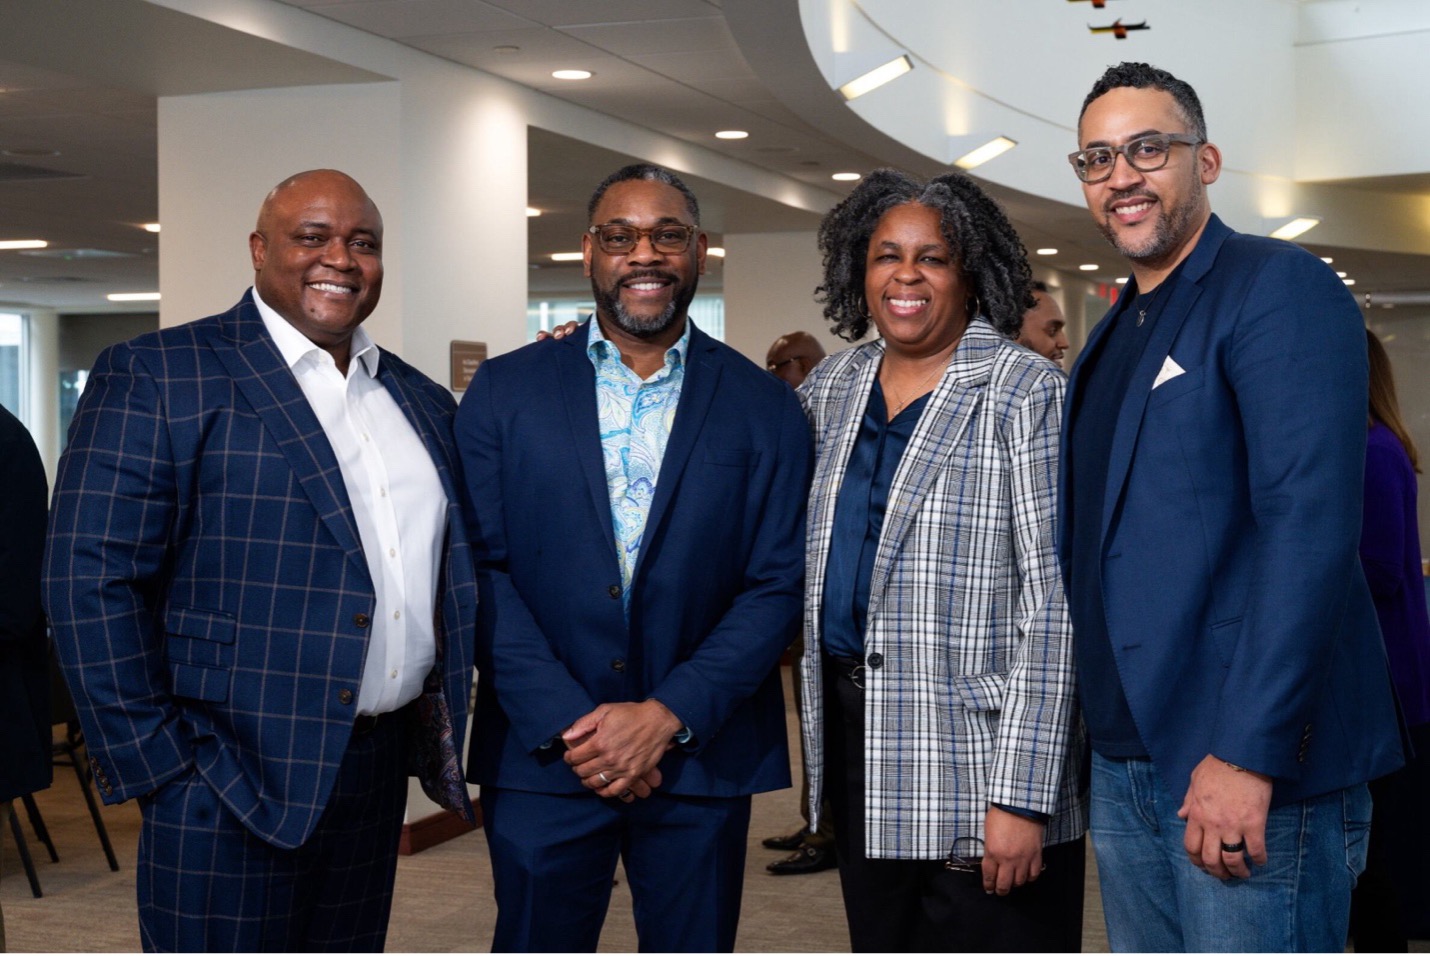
(1171, 231)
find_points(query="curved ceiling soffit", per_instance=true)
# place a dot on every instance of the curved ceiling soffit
(965, 91)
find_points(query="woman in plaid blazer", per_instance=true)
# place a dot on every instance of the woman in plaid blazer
(938, 677)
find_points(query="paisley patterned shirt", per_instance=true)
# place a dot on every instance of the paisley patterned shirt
(635, 419)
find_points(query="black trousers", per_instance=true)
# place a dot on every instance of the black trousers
(918, 906)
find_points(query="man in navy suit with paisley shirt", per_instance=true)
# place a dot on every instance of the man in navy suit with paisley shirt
(262, 594)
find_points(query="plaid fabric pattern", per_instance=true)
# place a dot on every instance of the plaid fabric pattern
(973, 702)
(205, 580)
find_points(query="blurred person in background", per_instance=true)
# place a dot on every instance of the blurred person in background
(1044, 329)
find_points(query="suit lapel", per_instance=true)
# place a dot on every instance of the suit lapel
(576, 382)
(1184, 293)
(260, 375)
(697, 392)
(419, 416)
(940, 430)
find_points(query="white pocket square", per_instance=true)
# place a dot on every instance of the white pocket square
(1170, 370)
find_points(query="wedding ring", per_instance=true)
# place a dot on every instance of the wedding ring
(607, 781)
(1237, 847)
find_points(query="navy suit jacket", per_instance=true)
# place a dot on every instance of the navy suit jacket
(206, 583)
(1239, 617)
(715, 597)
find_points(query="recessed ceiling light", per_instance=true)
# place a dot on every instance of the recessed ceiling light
(876, 77)
(1349, 281)
(1341, 275)
(993, 148)
(23, 243)
(1088, 267)
(1121, 280)
(566, 257)
(731, 134)
(150, 227)
(1327, 260)
(845, 177)
(1296, 227)
(717, 251)
(572, 74)
(133, 297)
(532, 212)
(1047, 251)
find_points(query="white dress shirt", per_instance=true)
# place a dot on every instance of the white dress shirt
(397, 501)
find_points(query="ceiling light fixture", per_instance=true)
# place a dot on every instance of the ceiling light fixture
(567, 256)
(1341, 275)
(150, 227)
(1121, 280)
(573, 74)
(846, 177)
(1327, 260)
(732, 134)
(1296, 227)
(1349, 281)
(23, 244)
(133, 297)
(993, 148)
(532, 212)
(1047, 251)
(716, 251)
(876, 77)
(1088, 267)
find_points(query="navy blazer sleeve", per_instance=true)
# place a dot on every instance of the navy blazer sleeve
(737, 656)
(1296, 363)
(103, 573)
(537, 691)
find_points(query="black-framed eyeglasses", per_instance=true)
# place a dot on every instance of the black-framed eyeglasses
(971, 858)
(620, 239)
(1145, 153)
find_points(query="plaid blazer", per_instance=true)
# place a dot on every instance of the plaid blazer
(207, 586)
(973, 702)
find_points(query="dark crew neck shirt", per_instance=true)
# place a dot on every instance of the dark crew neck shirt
(1106, 375)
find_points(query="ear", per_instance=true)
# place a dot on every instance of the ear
(257, 249)
(586, 254)
(702, 243)
(1209, 163)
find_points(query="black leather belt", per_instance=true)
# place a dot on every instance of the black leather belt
(851, 669)
(366, 724)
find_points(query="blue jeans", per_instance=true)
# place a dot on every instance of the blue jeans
(1155, 900)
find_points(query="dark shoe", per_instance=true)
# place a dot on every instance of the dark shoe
(791, 841)
(807, 859)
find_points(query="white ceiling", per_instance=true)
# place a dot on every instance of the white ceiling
(676, 68)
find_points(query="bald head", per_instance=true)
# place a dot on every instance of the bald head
(317, 256)
(792, 356)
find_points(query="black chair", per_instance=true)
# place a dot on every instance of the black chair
(65, 753)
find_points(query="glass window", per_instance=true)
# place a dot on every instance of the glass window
(12, 364)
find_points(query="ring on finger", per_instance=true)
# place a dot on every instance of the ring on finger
(626, 796)
(1238, 847)
(604, 779)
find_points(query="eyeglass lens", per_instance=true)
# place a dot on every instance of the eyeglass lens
(618, 239)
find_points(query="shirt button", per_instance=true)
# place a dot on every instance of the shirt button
(876, 660)
(396, 615)
(392, 552)
(361, 620)
(614, 590)
(365, 438)
(394, 674)
(383, 492)
(618, 665)
(345, 696)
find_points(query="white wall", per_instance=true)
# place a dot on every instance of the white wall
(769, 290)
(44, 386)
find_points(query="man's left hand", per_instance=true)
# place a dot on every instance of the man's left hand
(1012, 851)
(1226, 805)
(616, 745)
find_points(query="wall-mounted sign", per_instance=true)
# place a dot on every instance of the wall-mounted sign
(466, 356)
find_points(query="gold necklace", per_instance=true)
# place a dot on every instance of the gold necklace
(918, 389)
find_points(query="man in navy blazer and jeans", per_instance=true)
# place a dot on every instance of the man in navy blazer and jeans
(1232, 675)
(262, 594)
(637, 497)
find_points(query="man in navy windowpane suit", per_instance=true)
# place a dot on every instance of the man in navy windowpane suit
(262, 594)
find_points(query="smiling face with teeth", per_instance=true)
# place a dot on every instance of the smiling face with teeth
(643, 293)
(317, 257)
(913, 285)
(1153, 218)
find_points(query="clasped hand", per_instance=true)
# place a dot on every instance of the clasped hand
(615, 748)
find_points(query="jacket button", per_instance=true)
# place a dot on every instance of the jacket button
(614, 590)
(618, 665)
(876, 660)
(361, 620)
(345, 696)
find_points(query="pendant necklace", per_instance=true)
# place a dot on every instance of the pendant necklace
(1142, 312)
(918, 389)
